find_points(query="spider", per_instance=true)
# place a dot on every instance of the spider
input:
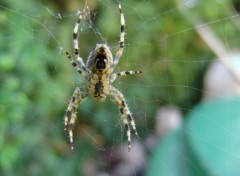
(98, 74)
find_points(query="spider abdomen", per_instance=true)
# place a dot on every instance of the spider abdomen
(99, 86)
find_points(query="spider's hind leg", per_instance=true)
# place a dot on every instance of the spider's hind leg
(124, 112)
(71, 113)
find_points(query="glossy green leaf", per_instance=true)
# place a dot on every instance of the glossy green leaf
(213, 136)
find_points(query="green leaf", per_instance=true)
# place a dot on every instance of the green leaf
(171, 158)
(213, 133)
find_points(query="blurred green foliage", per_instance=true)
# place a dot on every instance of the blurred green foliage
(207, 144)
(36, 80)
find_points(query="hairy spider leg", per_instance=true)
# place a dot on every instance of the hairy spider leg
(70, 117)
(124, 112)
(75, 44)
(75, 65)
(122, 36)
(123, 73)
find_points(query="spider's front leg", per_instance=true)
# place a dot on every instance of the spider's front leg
(71, 113)
(75, 44)
(122, 36)
(124, 112)
(76, 66)
(79, 64)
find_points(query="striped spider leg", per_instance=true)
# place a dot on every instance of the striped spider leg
(114, 76)
(70, 117)
(122, 36)
(125, 113)
(79, 65)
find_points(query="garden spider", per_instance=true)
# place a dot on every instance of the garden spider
(99, 75)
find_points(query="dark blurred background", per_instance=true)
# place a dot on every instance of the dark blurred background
(188, 51)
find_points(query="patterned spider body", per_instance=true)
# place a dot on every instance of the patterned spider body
(98, 73)
(100, 62)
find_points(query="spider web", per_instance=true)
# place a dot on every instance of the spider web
(174, 43)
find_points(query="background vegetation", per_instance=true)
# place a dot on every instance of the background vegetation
(36, 80)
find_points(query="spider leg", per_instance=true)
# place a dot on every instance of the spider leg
(75, 65)
(124, 112)
(75, 44)
(123, 73)
(122, 36)
(71, 113)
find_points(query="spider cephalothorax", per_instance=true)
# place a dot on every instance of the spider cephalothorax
(98, 73)
(100, 60)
